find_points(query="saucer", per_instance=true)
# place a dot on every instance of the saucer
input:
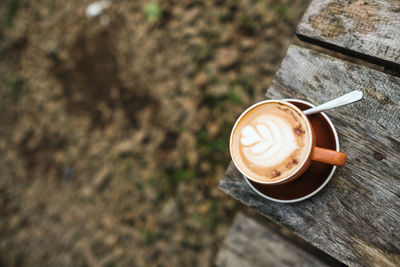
(317, 175)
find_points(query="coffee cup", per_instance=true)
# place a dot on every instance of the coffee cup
(273, 142)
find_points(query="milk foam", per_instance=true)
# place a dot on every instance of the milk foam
(270, 141)
(267, 141)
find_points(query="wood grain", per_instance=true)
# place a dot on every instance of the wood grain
(369, 29)
(356, 218)
(250, 244)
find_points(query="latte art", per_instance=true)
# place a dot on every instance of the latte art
(270, 141)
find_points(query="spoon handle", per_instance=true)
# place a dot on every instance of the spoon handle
(349, 98)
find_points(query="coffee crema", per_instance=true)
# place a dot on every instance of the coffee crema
(270, 142)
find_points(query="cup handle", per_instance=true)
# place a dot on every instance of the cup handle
(328, 156)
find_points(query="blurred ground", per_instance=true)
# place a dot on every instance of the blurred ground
(114, 129)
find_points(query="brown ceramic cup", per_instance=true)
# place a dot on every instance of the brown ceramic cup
(314, 153)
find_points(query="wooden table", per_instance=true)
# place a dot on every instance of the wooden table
(368, 29)
(267, 247)
(356, 218)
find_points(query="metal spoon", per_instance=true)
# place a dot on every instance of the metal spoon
(346, 99)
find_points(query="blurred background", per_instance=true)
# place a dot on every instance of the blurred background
(114, 124)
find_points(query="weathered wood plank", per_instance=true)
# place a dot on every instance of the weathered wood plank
(356, 218)
(369, 29)
(250, 244)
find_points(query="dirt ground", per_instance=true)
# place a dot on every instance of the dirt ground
(114, 128)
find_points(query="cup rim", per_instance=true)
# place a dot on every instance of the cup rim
(288, 201)
(285, 102)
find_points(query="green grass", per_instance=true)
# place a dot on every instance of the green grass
(51, 6)
(217, 145)
(211, 145)
(201, 53)
(12, 9)
(14, 91)
(248, 25)
(127, 169)
(211, 217)
(282, 9)
(183, 175)
(214, 79)
(152, 12)
(202, 136)
(234, 98)
(246, 82)
(147, 236)
(113, 263)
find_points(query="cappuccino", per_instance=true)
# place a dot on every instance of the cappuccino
(270, 141)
